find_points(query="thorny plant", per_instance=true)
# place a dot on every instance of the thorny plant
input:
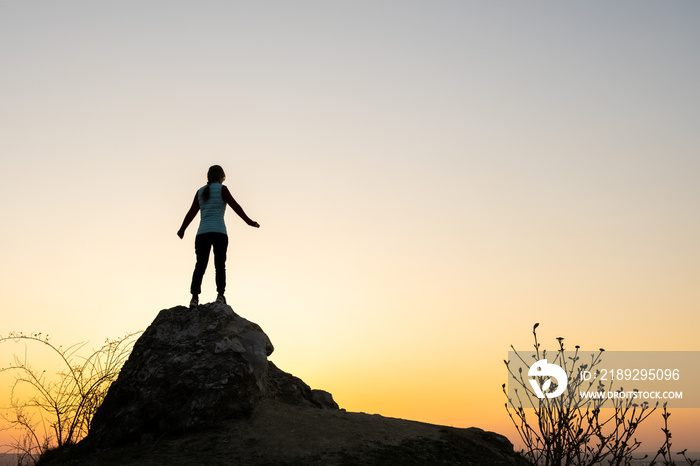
(664, 452)
(55, 411)
(566, 430)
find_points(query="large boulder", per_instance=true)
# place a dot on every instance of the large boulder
(191, 369)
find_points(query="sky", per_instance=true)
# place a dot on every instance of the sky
(431, 179)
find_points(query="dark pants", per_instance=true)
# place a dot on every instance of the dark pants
(202, 245)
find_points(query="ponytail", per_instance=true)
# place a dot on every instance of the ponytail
(214, 175)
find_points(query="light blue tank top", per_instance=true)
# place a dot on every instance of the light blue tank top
(212, 211)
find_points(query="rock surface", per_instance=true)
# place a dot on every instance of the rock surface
(198, 389)
(192, 369)
(279, 434)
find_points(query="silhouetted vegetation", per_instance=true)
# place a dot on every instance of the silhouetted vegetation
(53, 411)
(565, 430)
(663, 455)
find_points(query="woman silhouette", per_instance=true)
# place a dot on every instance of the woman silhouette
(211, 201)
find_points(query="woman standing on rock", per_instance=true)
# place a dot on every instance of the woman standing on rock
(211, 200)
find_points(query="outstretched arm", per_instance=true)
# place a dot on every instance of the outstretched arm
(189, 217)
(228, 198)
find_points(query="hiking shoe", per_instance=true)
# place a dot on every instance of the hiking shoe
(220, 299)
(195, 301)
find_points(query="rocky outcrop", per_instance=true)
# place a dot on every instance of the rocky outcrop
(198, 389)
(280, 434)
(191, 369)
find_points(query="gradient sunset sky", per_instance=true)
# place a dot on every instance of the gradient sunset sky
(431, 179)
